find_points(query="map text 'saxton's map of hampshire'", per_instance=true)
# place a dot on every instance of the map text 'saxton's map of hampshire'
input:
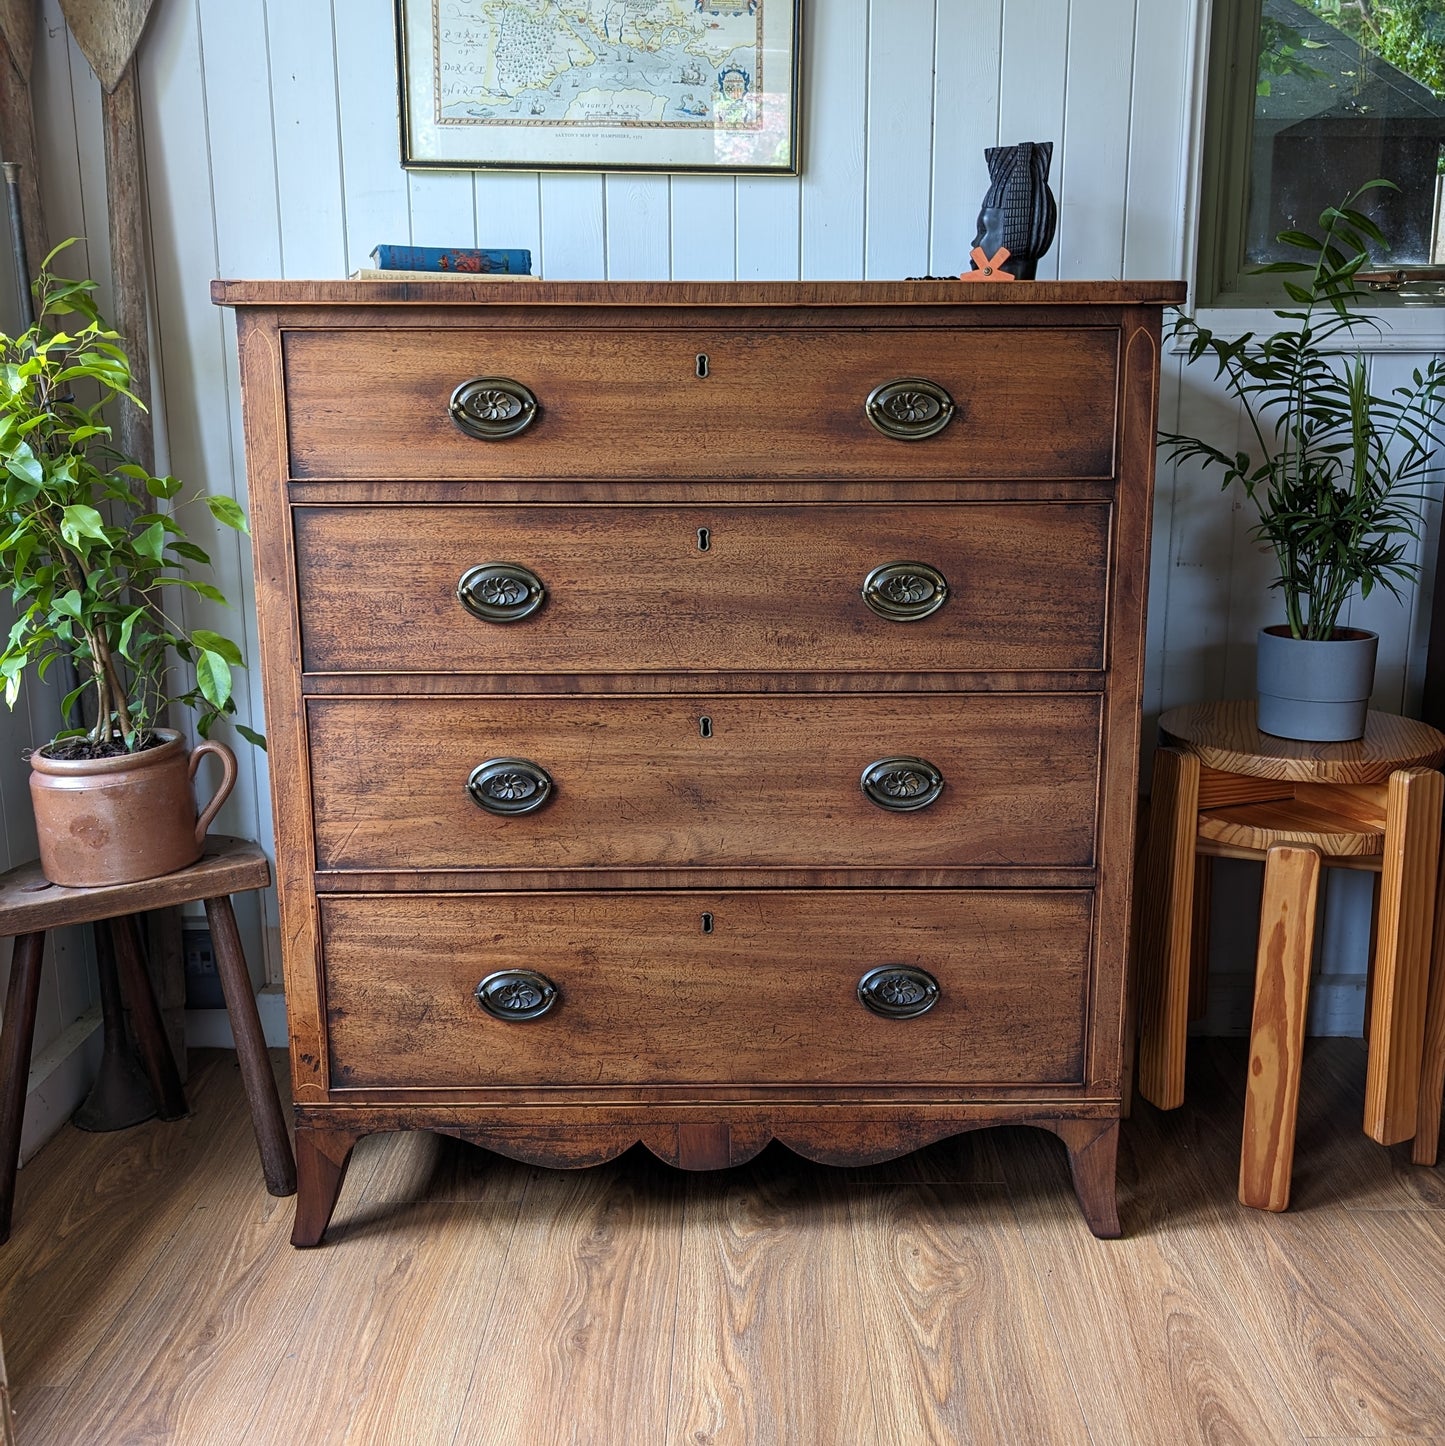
(646, 63)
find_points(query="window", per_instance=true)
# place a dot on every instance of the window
(1307, 100)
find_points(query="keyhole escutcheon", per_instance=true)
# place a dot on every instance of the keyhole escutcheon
(703, 364)
(707, 923)
(704, 726)
(704, 539)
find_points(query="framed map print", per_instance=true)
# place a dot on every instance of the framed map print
(616, 85)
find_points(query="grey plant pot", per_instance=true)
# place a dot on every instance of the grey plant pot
(1315, 691)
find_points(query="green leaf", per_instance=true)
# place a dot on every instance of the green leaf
(151, 543)
(191, 551)
(24, 464)
(228, 511)
(251, 736)
(163, 486)
(126, 629)
(215, 643)
(79, 521)
(205, 589)
(213, 677)
(68, 605)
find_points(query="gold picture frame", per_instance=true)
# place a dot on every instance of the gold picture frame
(600, 85)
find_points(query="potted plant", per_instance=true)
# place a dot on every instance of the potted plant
(95, 557)
(1335, 472)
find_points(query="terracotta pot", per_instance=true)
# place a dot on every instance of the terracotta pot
(116, 820)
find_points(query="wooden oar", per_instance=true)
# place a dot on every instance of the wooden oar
(17, 116)
(107, 32)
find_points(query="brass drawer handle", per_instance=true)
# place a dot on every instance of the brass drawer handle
(904, 592)
(514, 994)
(898, 991)
(510, 786)
(910, 409)
(501, 592)
(902, 784)
(493, 408)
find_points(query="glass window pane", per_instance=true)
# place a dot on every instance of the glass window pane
(1349, 90)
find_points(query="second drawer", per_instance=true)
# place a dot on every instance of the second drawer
(705, 781)
(1002, 587)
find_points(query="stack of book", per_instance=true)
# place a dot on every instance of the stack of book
(439, 263)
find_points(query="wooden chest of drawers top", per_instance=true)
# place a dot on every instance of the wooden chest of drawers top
(690, 381)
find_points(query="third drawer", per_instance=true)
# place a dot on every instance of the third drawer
(686, 781)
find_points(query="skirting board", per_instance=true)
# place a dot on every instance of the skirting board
(60, 1078)
(211, 1028)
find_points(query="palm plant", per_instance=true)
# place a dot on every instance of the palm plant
(1338, 471)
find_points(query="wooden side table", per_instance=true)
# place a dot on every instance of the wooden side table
(30, 905)
(1225, 790)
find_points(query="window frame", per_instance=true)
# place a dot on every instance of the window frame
(1222, 278)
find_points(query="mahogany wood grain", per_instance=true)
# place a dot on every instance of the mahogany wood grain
(637, 785)
(615, 403)
(1093, 1147)
(1224, 736)
(263, 394)
(1027, 697)
(1166, 938)
(322, 1157)
(1137, 416)
(634, 586)
(1277, 1032)
(1402, 957)
(767, 997)
(629, 295)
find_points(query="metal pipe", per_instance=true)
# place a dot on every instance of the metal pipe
(17, 243)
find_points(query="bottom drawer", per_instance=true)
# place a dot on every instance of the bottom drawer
(730, 987)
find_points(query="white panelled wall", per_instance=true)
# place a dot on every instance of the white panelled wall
(272, 150)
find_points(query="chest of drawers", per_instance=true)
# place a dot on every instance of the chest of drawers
(701, 714)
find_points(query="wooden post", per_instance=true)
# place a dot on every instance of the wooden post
(17, 116)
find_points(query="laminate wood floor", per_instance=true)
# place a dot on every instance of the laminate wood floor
(149, 1293)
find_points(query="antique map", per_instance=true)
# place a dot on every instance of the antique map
(654, 64)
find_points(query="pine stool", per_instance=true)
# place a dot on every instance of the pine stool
(1222, 789)
(30, 904)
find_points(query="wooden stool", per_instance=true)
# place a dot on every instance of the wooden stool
(30, 904)
(1222, 789)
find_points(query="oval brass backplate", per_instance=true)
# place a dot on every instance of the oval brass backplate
(898, 991)
(501, 592)
(904, 592)
(509, 786)
(910, 409)
(493, 408)
(901, 784)
(516, 994)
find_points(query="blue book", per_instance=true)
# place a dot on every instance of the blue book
(463, 260)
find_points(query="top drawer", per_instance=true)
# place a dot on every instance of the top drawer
(1028, 403)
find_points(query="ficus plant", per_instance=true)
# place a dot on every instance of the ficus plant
(1337, 471)
(90, 542)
